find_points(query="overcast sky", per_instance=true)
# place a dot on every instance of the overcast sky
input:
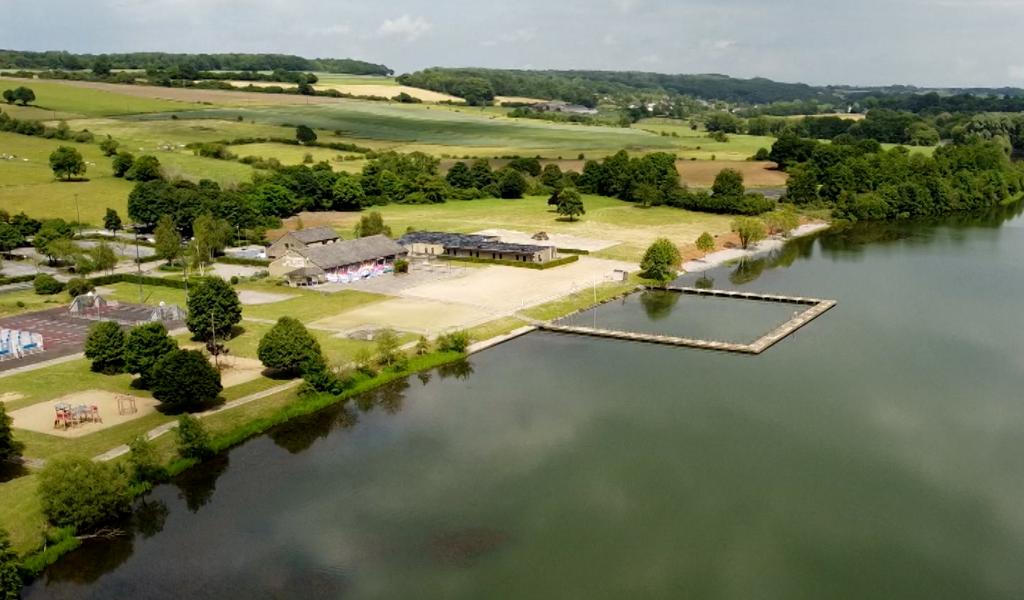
(923, 42)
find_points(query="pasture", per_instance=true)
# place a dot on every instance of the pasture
(27, 183)
(67, 97)
(696, 144)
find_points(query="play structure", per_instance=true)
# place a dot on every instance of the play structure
(15, 343)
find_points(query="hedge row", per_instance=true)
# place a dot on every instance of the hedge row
(16, 279)
(237, 260)
(137, 279)
(572, 251)
(512, 263)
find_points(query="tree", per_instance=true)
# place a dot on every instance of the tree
(371, 224)
(213, 308)
(781, 221)
(750, 230)
(184, 379)
(511, 183)
(728, 184)
(101, 66)
(459, 176)
(305, 134)
(76, 491)
(79, 286)
(104, 346)
(109, 146)
(24, 95)
(112, 221)
(143, 168)
(122, 163)
(9, 96)
(705, 243)
(348, 193)
(661, 261)
(10, 449)
(289, 348)
(387, 347)
(193, 440)
(65, 251)
(51, 231)
(10, 237)
(168, 240)
(802, 185)
(456, 341)
(210, 237)
(143, 347)
(102, 257)
(570, 204)
(67, 162)
(10, 571)
(552, 176)
(145, 460)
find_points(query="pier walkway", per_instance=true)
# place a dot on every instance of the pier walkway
(816, 308)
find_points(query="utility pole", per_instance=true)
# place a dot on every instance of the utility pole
(78, 216)
(138, 264)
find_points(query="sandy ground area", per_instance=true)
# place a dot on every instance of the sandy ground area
(561, 240)
(408, 314)
(508, 289)
(236, 370)
(250, 297)
(390, 91)
(39, 417)
(763, 247)
(11, 396)
(228, 271)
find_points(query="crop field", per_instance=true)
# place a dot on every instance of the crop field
(633, 227)
(27, 183)
(293, 155)
(70, 98)
(455, 130)
(697, 144)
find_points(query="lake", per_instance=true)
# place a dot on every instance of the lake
(876, 453)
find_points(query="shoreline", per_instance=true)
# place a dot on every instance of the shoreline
(765, 246)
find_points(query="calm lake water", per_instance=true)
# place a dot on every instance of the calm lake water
(878, 453)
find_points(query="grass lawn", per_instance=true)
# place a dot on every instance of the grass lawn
(55, 96)
(21, 301)
(336, 349)
(52, 382)
(697, 144)
(20, 513)
(29, 185)
(494, 328)
(294, 155)
(633, 227)
(308, 305)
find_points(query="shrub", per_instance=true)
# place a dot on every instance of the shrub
(401, 266)
(750, 230)
(184, 379)
(75, 491)
(104, 346)
(144, 346)
(192, 438)
(387, 347)
(288, 347)
(422, 346)
(10, 576)
(79, 286)
(456, 341)
(145, 460)
(45, 285)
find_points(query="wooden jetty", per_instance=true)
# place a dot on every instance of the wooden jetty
(816, 308)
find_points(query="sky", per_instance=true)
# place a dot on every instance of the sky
(864, 42)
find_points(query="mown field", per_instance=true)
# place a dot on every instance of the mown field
(58, 96)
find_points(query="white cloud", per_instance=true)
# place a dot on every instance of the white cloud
(519, 36)
(1015, 72)
(405, 26)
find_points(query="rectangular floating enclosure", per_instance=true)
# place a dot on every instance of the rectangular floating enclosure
(816, 308)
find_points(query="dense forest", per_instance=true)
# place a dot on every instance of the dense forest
(20, 59)
(860, 180)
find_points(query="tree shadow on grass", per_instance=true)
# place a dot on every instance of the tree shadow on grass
(12, 470)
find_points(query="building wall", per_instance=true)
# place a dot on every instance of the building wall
(425, 249)
(287, 263)
(288, 242)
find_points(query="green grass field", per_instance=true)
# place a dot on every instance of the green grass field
(697, 144)
(344, 79)
(29, 185)
(294, 155)
(54, 96)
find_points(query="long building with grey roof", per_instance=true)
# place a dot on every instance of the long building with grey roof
(465, 245)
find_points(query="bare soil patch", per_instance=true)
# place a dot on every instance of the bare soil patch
(408, 314)
(250, 297)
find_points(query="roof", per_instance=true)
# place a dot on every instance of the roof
(305, 272)
(314, 235)
(467, 241)
(352, 251)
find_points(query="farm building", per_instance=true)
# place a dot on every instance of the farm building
(459, 245)
(339, 262)
(303, 238)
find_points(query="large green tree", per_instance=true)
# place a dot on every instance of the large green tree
(749, 229)
(511, 183)
(661, 261)
(289, 348)
(10, 571)
(213, 308)
(10, 237)
(144, 346)
(104, 346)
(67, 162)
(112, 221)
(168, 240)
(143, 168)
(24, 95)
(728, 184)
(76, 491)
(304, 134)
(184, 379)
(570, 204)
(122, 163)
(10, 448)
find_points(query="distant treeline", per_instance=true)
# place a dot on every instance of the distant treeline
(587, 87)
(20, 59)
